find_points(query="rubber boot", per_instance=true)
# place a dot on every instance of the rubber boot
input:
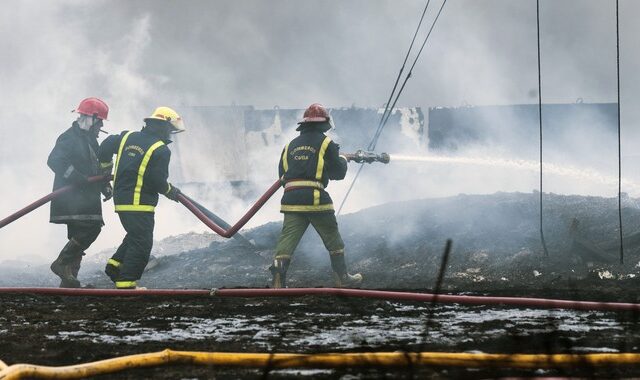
(112, 269)
(341, 277)
(63, 266)
(74, 264)
(279, 271)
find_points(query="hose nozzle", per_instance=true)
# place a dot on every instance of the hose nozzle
(362, 156)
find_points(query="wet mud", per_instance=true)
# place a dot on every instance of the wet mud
(69, 330)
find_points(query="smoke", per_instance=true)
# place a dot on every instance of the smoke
(140, 54)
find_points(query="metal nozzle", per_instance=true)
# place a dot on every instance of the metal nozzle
(362, 156)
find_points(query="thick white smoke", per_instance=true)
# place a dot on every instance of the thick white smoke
(140, 54)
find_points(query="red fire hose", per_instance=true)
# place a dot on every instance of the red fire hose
(362, 293)
(20, 213)
(183, 199)
(236, 227)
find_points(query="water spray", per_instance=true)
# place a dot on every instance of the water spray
(530, 165)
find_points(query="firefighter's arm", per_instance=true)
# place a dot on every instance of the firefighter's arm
(108, 148)
(60, 160)
(336, 164)
(159, 174)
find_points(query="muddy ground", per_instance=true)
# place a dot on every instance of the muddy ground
(496, 250)
(66, 330)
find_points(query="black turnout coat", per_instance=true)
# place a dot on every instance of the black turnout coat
(74, 157)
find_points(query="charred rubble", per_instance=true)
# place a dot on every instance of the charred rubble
(399, 246)
(496, 246)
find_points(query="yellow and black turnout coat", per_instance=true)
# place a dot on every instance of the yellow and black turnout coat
(141, 169)
(307, 164)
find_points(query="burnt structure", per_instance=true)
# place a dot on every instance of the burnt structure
(231, 144)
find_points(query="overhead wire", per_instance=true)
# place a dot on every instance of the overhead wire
(619, 138)
(386, 107)
(374, 141)
(390, 105)
(544, 244)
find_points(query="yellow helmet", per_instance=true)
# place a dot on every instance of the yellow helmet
(169, 115)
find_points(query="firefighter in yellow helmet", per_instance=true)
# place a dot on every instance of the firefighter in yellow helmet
(140, 174)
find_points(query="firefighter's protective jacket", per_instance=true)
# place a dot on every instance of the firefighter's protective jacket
(74, 157)
(141, 169)
(307, 164)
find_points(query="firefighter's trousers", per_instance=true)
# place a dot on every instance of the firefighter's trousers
(83, 232)
(133, 253)
(294, 226)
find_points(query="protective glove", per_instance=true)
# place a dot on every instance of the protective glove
(107, 191)
(173, 193)
(106, 168)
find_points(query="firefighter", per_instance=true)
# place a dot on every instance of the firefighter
(140, 173)
(74, 159)
(307, 163)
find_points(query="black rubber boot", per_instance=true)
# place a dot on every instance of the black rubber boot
(279, 271)
(65, 264)
(74, 265)
(341, 277)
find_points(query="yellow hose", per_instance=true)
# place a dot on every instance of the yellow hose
(332, 360)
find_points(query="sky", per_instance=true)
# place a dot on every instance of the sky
(139, 54)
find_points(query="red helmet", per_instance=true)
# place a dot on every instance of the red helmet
(315, 113)
(93, 106)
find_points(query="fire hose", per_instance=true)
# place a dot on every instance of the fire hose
(211, 220)
(229, 232)
(207, 217)
(22, 212)
(338, 292)
(328, 360)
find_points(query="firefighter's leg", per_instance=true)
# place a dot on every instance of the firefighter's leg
(139, 227)
(62, 266)
(112, 269)
(85, 233)
(327, 227)
(293, 228)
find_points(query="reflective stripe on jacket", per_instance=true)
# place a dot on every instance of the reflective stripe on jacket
(307, 164)
(141, 169)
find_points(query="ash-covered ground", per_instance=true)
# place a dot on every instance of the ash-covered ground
(496, 246)
(496, 251)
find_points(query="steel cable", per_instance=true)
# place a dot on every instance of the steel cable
(374, 142)
(389, 108)
(386, 107)
(544, 244)
(619, 139)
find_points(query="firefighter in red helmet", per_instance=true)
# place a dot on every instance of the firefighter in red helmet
(307, 163)
(74, 159)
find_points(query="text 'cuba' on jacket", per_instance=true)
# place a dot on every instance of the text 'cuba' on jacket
(307, 164)
(141, 169)
(73, 159)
